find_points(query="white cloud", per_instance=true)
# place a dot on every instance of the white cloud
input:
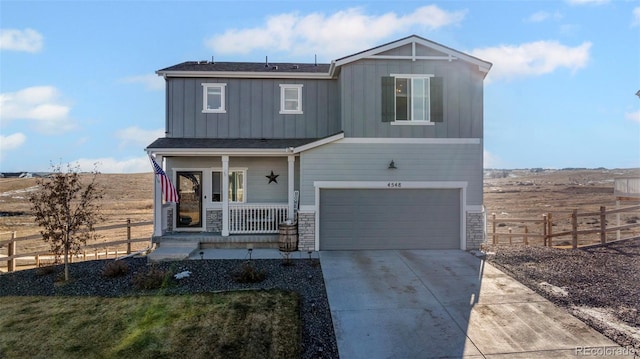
(41, 105)
(636, 17)
(150, 82)
(587, 2)
(541, 16)
(135, 135)
(491, 160)
(533, 59)
(27, 40)
(11, 142)
(112, 165)
(633, 116)
(332, 35)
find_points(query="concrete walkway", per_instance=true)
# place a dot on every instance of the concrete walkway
(422, 304)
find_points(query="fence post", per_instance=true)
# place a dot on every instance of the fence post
(526, 236)
(128, 235)
(574, 229)
(493, 226)
(618, 219)
(603, 225)
(550, 229)
(510, 237)
(544, 229)
(11, 263)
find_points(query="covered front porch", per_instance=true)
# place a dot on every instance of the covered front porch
(229, 191)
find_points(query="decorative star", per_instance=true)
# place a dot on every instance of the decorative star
(272, 177)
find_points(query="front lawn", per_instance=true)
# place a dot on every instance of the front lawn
(245, 324)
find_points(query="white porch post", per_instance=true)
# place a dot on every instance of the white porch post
(225, 196)
(157, 202)
(291, 174)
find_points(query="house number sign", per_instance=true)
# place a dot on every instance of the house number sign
(394, 184)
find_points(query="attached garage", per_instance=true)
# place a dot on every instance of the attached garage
(382, 218)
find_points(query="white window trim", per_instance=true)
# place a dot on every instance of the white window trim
(244, 183)
(297, 111)
(222, 87)
(412, 122)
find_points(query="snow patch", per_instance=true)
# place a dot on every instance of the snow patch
(550, 288)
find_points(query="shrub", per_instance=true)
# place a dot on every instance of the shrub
(248, 274)
(115, 269)
(153, 278)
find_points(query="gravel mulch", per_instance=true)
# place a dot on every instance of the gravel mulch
(599, 285)
(303, 276)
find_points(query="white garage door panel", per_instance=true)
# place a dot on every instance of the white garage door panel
(389, 219)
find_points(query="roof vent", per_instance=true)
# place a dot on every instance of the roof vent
(266, 61)
(274, 68)
(296, 66)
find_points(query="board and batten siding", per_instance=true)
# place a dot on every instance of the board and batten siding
(252, 109)
(361, 98)
(258, 189)
(414, 162)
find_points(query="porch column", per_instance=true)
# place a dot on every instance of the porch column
(157, 201)
(225, 196)
(291, 174)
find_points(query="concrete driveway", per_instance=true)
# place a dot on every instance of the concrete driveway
(447, 303)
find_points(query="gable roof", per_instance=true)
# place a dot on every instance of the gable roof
(246, 69)
(320, 70)
(449, 54)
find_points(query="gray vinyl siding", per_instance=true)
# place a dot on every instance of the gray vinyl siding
(252, 109)
(360, 84)
(414, 162)
(258, 190)
(352, 219)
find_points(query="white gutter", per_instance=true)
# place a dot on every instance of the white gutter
(220, 151)
(253, 75)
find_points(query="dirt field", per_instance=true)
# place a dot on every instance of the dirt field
(128, 196)
(530, 194)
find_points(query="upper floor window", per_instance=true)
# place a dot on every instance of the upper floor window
(290, 99)
(213, 97)
(412, 99)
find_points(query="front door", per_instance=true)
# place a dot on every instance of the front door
(190, 205)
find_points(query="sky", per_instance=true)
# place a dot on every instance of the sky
(78, 82)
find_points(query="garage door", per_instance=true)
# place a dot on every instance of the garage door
(389, 219)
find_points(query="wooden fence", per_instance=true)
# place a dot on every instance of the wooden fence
(541, 230)
(89, 251)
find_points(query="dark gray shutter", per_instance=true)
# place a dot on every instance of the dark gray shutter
(437, 99)
(388, 99)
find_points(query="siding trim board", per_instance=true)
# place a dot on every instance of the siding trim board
(393, 185)
(421, 141)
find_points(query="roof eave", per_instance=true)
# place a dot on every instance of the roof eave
(483, 66)
(201, 152)
(234, 74)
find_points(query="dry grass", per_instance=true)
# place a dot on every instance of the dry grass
(262, 324)
(127, 196)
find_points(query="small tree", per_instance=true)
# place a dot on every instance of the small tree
(67, 206)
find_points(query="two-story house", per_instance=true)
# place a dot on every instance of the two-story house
(382, 149)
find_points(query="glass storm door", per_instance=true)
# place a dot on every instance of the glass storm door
(190, 205)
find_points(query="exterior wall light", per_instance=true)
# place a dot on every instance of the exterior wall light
(392, 165)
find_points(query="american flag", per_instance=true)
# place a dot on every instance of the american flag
(168, 190)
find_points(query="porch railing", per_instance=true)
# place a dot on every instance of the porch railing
(256, 218)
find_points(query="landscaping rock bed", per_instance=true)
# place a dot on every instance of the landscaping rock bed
(599, 285)
(303, 276)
